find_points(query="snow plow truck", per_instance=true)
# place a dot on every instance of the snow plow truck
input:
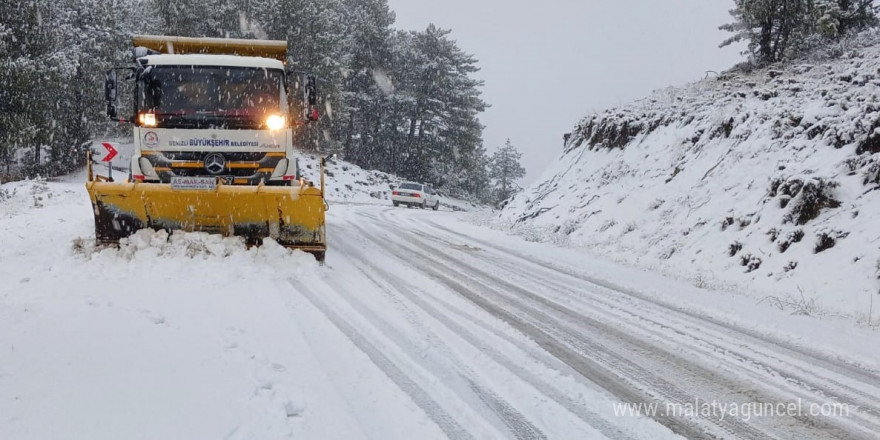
(213, 145)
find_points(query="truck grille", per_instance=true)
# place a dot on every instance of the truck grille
(254, 167)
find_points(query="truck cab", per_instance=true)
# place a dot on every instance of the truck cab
(213, 115)
(206, 107)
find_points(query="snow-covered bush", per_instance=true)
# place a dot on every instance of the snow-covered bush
(807, 198)
(793, 237)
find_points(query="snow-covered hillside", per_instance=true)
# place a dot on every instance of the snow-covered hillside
(762, 181)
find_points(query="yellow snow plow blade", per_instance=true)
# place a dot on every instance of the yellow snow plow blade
(291, 215)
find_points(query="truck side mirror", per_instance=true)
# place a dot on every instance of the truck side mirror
(110, 87)
(311, 90)
(312, 98)
(328, 159)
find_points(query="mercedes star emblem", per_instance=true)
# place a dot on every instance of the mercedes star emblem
(215, 163)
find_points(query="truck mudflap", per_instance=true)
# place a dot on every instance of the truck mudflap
(291, 215)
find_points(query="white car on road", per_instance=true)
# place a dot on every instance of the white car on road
(415, 194)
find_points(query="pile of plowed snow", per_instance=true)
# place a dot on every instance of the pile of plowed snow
(158, 247)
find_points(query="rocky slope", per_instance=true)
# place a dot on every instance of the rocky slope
(762, 181)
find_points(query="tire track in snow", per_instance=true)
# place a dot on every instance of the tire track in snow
(869, 423)
(511, 417)
(448, 365)
(856, 371)
(435, 412)
(757, 363)
(455, 265)
(581, 361)
(841, 381)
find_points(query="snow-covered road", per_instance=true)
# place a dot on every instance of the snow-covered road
(420, 326)
(637, 348)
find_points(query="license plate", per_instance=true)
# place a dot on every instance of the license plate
(197, 183)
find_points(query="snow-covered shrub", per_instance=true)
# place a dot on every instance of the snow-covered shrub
(799, 305)
(734, 248)
(871, 175)
(793, 237)
(668, 252)
(569, 226)
(5, 194)
(824, 242)
(751, 262)
(871, 142)
(815, 195)
(607, 225)
(39, 189)
(700, 281)
(805, 197)
(852, 165)
(728, 221)
(827, 240)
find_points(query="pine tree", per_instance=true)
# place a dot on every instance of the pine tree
(835, 18)
(437, 103)
(86, 39)
(367, 24)
(505, 169)
(780, 29)
(474, 176)
(27, 84)
(768, 26)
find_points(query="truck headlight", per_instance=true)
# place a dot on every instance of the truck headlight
(147, 119)
(275, 122)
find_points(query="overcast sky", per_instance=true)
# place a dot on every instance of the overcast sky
(548, 63)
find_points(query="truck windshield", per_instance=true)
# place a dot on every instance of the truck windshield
(212, 96)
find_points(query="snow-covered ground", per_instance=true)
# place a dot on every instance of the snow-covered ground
(763, 183)
(420, 325)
